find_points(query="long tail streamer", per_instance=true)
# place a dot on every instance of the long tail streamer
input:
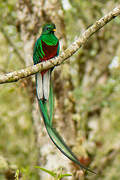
(53, 134)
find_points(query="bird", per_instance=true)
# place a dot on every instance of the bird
(46, 47)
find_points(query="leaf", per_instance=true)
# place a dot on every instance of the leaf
(47, 171)
(63, 175)
(55, 175)
(17, 174)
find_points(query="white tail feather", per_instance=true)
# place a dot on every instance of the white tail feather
(46, 84)
(39, 86)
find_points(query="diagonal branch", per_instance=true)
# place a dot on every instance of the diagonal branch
(16, 75)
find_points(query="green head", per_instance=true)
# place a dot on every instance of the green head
(48, 29)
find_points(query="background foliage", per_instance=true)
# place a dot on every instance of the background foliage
(87, 90)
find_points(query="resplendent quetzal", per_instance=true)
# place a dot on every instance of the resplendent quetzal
(47, 47)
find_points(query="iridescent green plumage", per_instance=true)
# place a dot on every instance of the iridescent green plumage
(46, 47)
(55, 137)
(49, 38)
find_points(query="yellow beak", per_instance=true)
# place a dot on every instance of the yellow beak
(54, 30)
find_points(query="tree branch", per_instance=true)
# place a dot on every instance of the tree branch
(16, 75)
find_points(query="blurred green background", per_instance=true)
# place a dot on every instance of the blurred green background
(87, 89)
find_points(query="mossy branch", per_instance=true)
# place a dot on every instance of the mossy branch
(16, 75)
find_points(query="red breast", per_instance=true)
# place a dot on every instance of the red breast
(50, 52)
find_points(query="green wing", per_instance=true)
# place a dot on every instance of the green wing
(38, 51)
